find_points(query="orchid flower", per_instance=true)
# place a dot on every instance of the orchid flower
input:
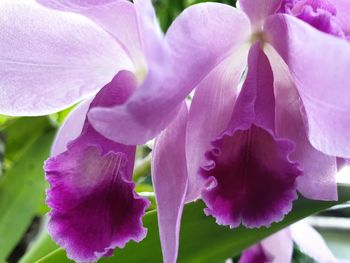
(55, 53)
(94, 207)
(250, 149)
(279, 247)
(112, 55)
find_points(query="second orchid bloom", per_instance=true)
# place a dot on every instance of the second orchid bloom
(262, 129)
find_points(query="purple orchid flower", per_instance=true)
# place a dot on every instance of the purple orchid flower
(55, 53)
(94, 207)
(250, 149)
(279, 246)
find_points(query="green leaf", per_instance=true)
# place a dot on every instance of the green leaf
(20, 133)
(142, 169)
(192, 2)
(4, 119)
(22, 185)
(58, 118)
(42, 246)
(202, 240)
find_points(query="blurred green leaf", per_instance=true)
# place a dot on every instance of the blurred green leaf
(4, 119)
(22, 185)
(192, 2)
(168, 10)
(144, 188)
(142, 169)
(20, 133)
(300, 257)
(42, 246)
(59, 117)
(201, 239)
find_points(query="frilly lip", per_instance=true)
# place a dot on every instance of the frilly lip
(92, 213)
(255, 196)
(320, 14)
(295, 6)
(316, 5)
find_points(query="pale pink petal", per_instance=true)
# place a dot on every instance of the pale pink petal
(319, 66)
(200, 38)
(169, 175)
(279, 246)
(343, 10)
(69, 5)
(312, 243)
(255, 254)
(70, 128)
(259, 10)
(44, 68)
(117, 17)
(152, 38)
(210, 112)
(319, 170)
(146, 112)
(74, 122)
(341, 163)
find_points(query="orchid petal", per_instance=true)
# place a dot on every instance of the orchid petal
(319, 170)
(279, 246)
(144, 103)
(255, 254)
(320, 80)
(259, 10)
(341, 163)
(94, 206)
(210, 113)
(117, 17)
(312, 243)
(45, 69)
(187, 57)
(201, 37)
(73, 124)
(276, 248)
(250, 177)
(170, 183)
(70, 5)
(153, 44)
(71, 128)
(343, 10)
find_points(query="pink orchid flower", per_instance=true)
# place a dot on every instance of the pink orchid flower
(113, 55)
(247, 151)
